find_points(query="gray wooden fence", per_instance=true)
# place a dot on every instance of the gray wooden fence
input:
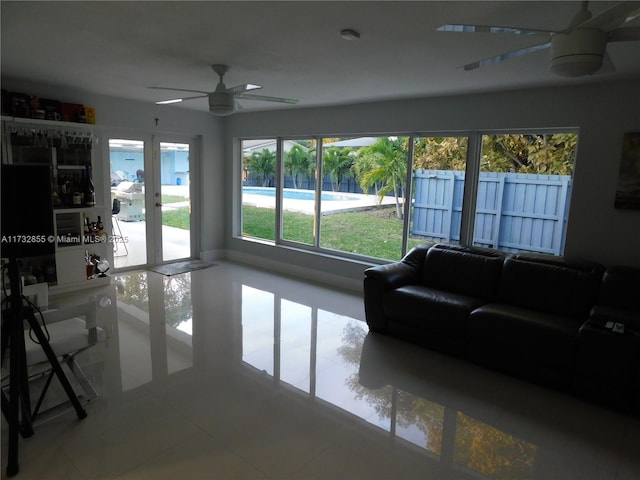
(515, 212)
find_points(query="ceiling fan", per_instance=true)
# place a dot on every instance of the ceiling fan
(578, 50)
(222, 101)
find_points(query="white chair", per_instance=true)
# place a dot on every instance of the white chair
(71, 330)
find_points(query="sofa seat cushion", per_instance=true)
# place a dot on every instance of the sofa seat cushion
(430, 309)
(513, 338)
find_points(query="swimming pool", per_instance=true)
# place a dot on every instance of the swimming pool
(298, 194)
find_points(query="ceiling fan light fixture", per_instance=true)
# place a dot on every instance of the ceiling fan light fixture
(221, 103)
(576, 65)
(578, 53)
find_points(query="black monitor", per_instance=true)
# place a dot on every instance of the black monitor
(26, 224)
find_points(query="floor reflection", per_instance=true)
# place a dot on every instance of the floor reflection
(317, 353)
(320, 354)
(265, 376)
(153, 349)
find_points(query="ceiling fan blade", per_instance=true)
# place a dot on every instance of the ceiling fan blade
(462, 28)
(264, 98)
(628, 34)
(247, 87)
(617, 15)
(178, 100)
(505, 56)
(179, 90)
(168, 102)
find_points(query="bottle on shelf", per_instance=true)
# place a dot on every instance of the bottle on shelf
(100, 227)
(90, 191)
(89, 264)
(55, 189)
(56, 198)
(86, 230)
(65, 190)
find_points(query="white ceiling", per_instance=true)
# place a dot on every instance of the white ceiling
(293, 49)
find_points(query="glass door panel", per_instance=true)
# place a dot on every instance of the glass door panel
(128, 201)
(175, 200)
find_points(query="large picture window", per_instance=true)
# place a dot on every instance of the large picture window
(299, 192)
(439, 165)
(363, 195)
(523, 191)
(378, 196)
(258, 174)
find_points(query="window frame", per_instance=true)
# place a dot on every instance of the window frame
(472, 175)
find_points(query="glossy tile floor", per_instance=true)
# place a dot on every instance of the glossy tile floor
(231, 373)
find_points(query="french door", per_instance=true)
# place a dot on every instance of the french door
(151, 192)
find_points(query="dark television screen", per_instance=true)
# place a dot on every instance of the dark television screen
(27, 212)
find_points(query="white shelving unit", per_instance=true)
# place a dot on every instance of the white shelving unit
(73, 245)
(72, 158)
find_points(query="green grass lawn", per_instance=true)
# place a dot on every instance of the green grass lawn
(375, 233)
(177, 217)
(173, 199)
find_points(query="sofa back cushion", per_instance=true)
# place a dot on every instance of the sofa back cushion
(472, 271)
(621, 288)
(550, 284)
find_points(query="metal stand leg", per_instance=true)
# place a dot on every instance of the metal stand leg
(17, 408)
(119, 238)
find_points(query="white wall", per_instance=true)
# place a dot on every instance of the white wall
(602, 112)
(120, 115)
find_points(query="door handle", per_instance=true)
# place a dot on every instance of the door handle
(158, 204)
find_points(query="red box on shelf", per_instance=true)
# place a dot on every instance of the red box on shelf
(71, 111)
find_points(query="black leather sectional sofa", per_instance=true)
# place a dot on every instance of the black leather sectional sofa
(569, 324)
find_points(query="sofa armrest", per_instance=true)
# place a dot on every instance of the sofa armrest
(405, 272)
(383, 278)
(377, 281)
(392, 275)
(603, 314)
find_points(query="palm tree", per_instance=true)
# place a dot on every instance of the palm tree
(383, 165)
(297, 161)
(337, 162)
(263, 164)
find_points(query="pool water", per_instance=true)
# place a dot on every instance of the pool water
(298, 194)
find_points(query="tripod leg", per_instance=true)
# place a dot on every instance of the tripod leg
(26, 425)
(55, 365)
(6, 333)
(18, 358)
(14, 402)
